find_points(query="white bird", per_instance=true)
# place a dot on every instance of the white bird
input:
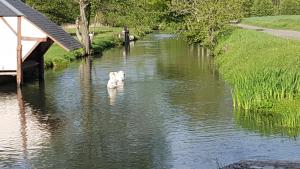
(116, 79)
(120, 84)
(131, 38)
(120, 76)
(113, 75)
(112, 84)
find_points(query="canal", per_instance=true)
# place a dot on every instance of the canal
(174, 111)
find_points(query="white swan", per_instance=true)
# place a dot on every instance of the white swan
(116, 79)
(112, 83)
(120, 76)
(113, 75)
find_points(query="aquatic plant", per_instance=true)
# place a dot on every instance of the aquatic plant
(264, 72)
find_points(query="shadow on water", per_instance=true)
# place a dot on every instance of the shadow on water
(266, 124)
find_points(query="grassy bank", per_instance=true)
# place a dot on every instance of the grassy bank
(264, 72)
(105, 37)
(289, 22)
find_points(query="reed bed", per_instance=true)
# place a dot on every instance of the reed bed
(264, 72)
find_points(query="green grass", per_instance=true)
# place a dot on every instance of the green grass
(264, 72)
(105, 37)
(289, 22)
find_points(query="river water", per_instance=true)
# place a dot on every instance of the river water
(174, 111)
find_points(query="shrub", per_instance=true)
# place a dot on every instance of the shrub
(246, 7)
(290, 7)
(262, 8)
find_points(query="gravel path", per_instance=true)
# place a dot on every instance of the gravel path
(295, 35)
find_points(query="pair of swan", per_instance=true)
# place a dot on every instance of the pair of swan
(116, 79)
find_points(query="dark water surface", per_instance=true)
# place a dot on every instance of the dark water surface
(173, 112)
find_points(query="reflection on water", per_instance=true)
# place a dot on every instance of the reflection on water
(266, 124)
(174, 111)
(24, 128)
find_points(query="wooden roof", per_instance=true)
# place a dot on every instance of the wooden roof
(56, 33)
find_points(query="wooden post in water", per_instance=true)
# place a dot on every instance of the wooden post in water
(41, 68)
(126, 35)
(19, 53)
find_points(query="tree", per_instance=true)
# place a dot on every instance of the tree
(290, 7)
(83, 23)
(246, 7)
(262, 8)
(56, 10)
(205, 20)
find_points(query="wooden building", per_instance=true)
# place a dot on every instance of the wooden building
(25, 36)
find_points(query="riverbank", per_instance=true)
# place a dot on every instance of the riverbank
(287, 22)
(264, 73)
(105, 38)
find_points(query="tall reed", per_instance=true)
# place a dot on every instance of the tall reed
(264, 71)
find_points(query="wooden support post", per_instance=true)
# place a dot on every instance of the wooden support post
(41, 68)
(19, 53)
(126, 35)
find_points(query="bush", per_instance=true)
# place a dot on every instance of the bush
(290, 7)
(246, 7)
(262, 8)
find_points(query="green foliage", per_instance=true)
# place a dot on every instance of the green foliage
(134, 13)
(262, 8)
(290, 7)
(105, 38)
(290, 22)
(263, 70)
(59, 11)
(247, 7)
(205, 20)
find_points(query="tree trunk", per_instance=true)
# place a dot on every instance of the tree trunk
(84, 25)
(78, 34)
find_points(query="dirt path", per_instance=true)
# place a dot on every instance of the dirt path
(295, 35)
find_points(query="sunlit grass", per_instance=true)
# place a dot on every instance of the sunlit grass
(291, 22)
(264, 72)
(105, 37)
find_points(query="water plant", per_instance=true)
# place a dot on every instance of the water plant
(264, 72)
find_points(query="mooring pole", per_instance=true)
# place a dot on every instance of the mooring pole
(41, 68)
(126, 35)
(19, 54)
